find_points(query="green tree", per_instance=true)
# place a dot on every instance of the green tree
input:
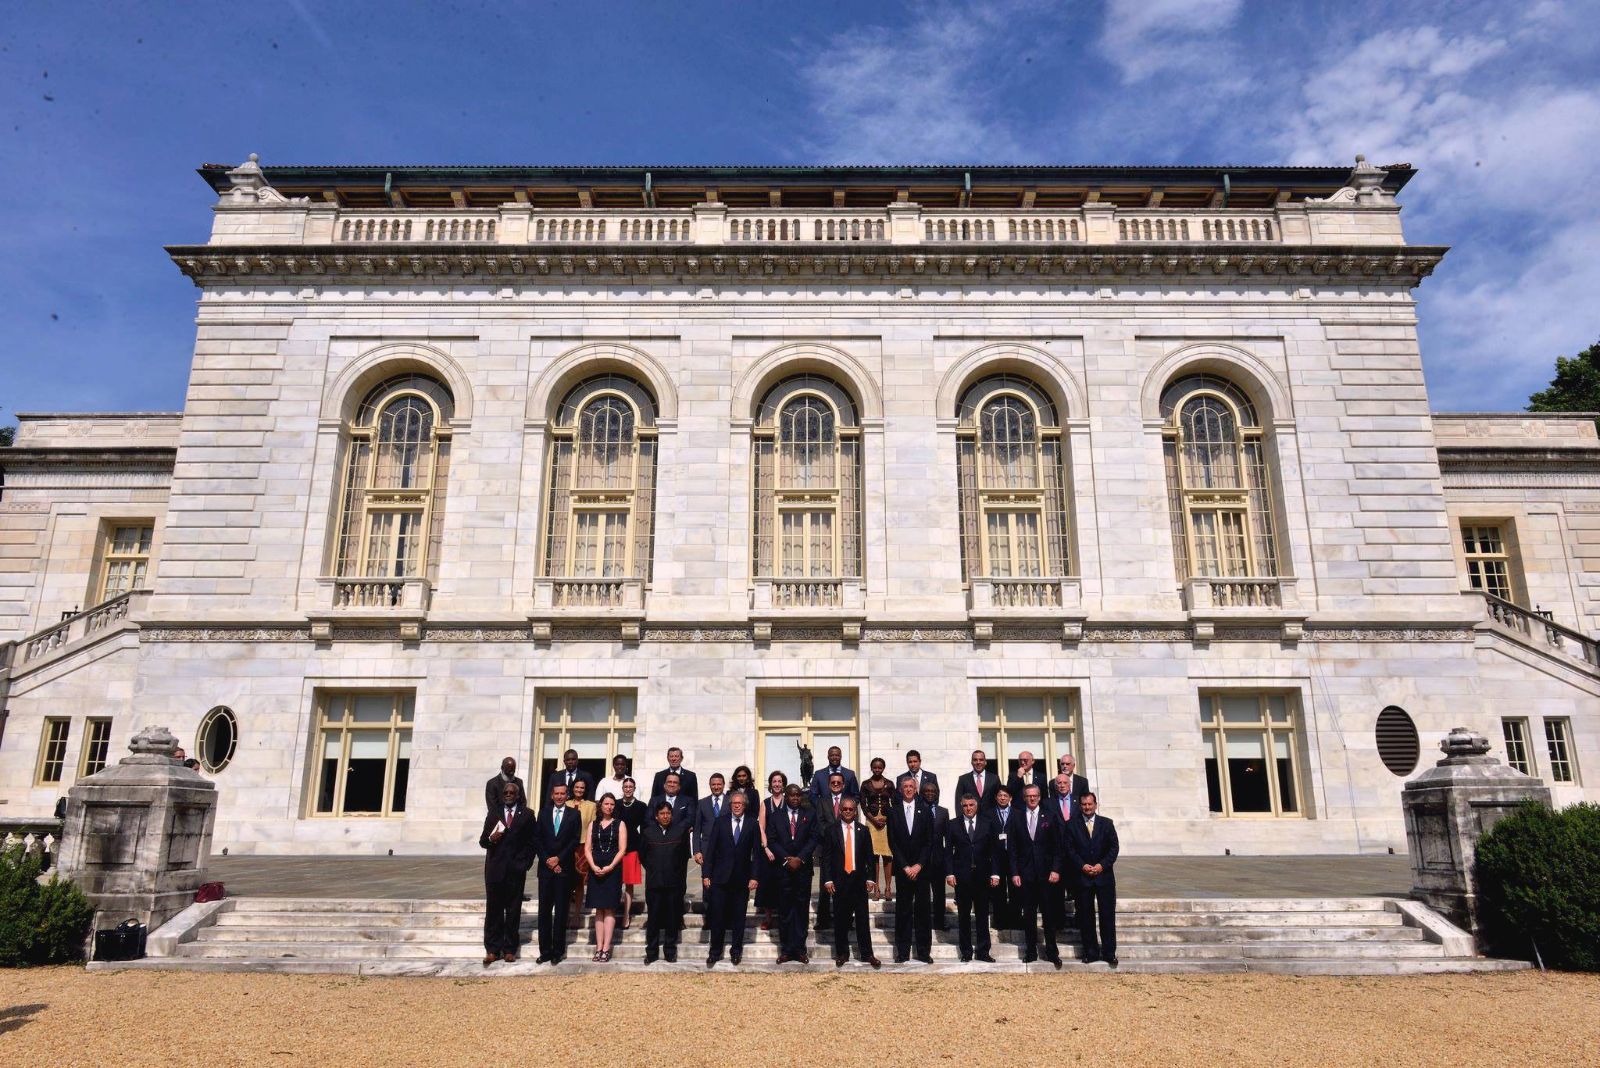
(1576, 386)
(8, 434)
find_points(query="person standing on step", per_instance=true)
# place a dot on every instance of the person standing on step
(1027, 774)
(743, 781)
(508, 841)
(769, 874)
(830, 810)
(682, 807)
(688, 785)
(613, 785)
(568, 775)
(1002, 902)
(664, 852)
(558, 836)
(605, 845)
(937, 870)
(911, 840)
(1063, 806)
(1035, 870)
(877, 797)
(706, 813)
(792, 838)
(973, 874)
(916, 773)
(980, 782)
(732, 852)
(492, 790)
(1092, 849)
(1068, 766)
(848, 869)
(819, 782)
(580, 802)
(632, 812)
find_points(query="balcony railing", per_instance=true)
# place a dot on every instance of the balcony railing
(404, 594)
(78, 625)
(572, 595)
(829, 595)
(41, 838)
(1004, 595)
(1540, 629)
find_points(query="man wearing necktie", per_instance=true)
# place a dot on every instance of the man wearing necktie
(508, 840)
(1002, 902)
(707, 812)
(569, 773)
(818, 787)
(792, 838)
(937, 867)
(728, 875)
(1092, 848)
(916, 773)
(970, 860)
(1035, 871)
(847, 871)
(1063, 809)
(557, 838)
(911, 841)
(829, 808)
(981, 782)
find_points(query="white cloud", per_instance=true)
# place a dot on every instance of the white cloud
(925, 92)
(1148, 37)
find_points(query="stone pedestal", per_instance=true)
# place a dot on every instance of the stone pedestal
(138, 834)
(1447, 809)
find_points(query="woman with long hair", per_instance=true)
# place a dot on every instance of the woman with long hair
(744, 782)
(579, 802)
(877, 797)
(631, 811)
(769, 885)
(605, 845)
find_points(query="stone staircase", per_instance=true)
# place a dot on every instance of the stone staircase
(1306, 936)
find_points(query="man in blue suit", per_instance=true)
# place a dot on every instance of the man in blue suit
(792, 838)
(1092, 849)
(731, 847)
(973, 873)
(911, 841)
(819, 781)
(557, 837)
(1035, 841)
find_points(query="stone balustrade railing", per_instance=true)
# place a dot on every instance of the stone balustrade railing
(1539, 628)
(401, 593)
(803, 594)
(37, 837)
(81, 625)
(898, 224)
(1207, 594)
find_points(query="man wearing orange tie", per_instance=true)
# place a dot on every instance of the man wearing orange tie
(847, 867)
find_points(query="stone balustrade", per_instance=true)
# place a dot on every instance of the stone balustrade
(1207, 594)
(1539, 629)
(82, 625)
(37, 837)
(788, 595)
(586, 594)
(403, 593)
(1002, 596)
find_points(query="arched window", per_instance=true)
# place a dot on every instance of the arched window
(1013, 486)
(397, 461)
(601, 516)
(808, 481)
(1219, 486)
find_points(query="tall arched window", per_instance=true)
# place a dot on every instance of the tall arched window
(602, 486)
(1013, 486)
(1219, 486)
(397, 462)
(808, 482)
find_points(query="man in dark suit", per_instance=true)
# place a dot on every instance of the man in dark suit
(829, 808)
(1027, 774)
(937, 868)
(847, 871)
(731, 847)
(508, 838)
(911, 838)
(792, 838)
(1035, 870)
(664, 854)
(568, 775)
(706, 813)
(557, 836)
(688, 785)
(1063, 807)
(819, 782)
(671, 794)
(1068, 766)
(493, 788)
(1002, 903)
(980, 782)
(970, 862)
(914, 771)
(1092, 849)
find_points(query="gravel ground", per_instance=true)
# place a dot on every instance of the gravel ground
(67, 1016)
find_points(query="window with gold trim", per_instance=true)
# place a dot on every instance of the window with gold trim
(396, 468)
(1010, 466)
(53, 751)
(600, 502)
(1558, 745)
(1487, 558)
(363, 753)
(1519, 754)
(96, 746)
(125, 558)
(1044, 723)
(808, 508)
(1219, 481)
(1252, 754)
(787, 719)
(599, 724)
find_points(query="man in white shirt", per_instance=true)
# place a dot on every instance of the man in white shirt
(613, 785)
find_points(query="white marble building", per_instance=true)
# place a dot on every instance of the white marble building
(1132, 462)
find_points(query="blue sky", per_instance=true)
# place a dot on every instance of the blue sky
(107, 110)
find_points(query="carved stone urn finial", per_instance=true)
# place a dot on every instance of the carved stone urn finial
(153, 745)
(1463, 746)
(248, 185)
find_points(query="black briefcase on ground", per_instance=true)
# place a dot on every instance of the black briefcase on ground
(125, 941)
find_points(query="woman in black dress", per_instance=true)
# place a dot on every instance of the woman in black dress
(631, 811)
(608, 842)
(769, 885)
(745, 781)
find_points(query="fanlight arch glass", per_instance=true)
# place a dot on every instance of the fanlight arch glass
(396, 467)
(1219, 481)
(808, 518)
(600, 513)
(1010, 460)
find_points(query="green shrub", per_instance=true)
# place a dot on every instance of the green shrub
(40, 923)
(1539, 885)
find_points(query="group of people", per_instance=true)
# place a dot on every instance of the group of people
(1012, 850)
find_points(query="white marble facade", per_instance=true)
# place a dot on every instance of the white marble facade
(304, 305)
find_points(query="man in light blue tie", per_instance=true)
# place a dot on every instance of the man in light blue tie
(556, 839)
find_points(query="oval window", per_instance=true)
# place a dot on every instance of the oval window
(218, 736)
(1398, 747)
